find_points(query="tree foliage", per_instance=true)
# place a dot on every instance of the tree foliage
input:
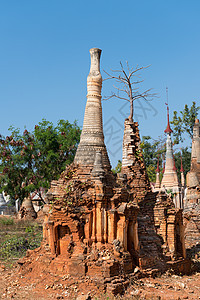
(183, 122)
(32, 160)
(118, 167)
(186, 159)
(152, 151)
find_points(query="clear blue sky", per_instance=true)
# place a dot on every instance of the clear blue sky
(44, 59)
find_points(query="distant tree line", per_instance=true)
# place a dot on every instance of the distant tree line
(32, 159)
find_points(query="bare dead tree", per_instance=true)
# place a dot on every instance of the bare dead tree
(128, 82)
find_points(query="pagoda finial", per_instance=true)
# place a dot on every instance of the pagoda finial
(158, 169)
(168, 129)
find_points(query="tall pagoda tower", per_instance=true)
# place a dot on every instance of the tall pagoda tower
(92, 137)
(170, 178)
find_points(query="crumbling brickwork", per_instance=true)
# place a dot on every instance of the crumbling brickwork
(193, 176)
(158, 220)
(92, 225)
(192, 202)
(133, 164)
(100, 225)
(169, 224)
(27, 210)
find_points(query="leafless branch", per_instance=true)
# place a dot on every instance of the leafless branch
(129, 85)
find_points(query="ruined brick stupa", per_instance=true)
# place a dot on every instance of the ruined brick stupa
(100, 225)
(193, 176)
(27, 210)
(3, 204)
(192, 202)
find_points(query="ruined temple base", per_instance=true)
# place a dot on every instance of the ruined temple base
(102, 272)
(45, 285)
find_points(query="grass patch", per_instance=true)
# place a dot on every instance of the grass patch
(6, 221)
(16, 237)
(17, 246)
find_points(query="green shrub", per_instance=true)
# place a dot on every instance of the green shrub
(16, 246)
(6, 221)
(29, 229)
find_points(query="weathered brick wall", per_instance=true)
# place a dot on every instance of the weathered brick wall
(192, 202)
(154, 240)
(192, 228)
(133, 164)
(92, 225)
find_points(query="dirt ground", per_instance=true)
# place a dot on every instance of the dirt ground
(13, 285)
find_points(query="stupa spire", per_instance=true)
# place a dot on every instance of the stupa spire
(168, 129)
(182, 174)
(163, 171)
(92, 138)
(170, 178)
(158, 168)
(195, 155)
(157, 184)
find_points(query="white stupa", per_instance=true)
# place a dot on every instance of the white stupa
(3, 204)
